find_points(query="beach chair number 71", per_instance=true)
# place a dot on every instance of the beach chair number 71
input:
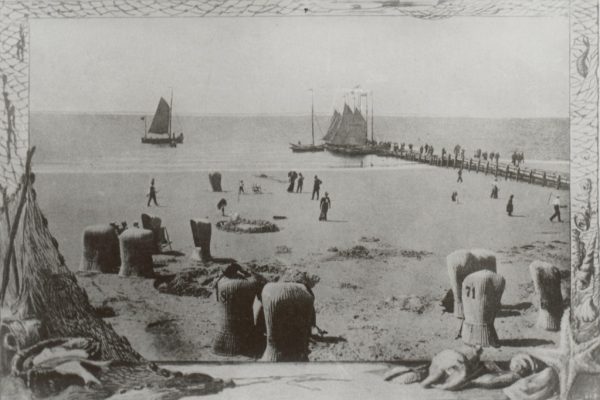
(470, 292)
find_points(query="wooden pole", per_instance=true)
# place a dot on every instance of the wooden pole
(544, 179)
(13, 257)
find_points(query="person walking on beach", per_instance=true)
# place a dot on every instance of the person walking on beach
(152, 194)
(454, 196)
(509, 206)
(556, 204)
(241, 188)
(494, 194)
(459, 180)
(325, 206)
(300, 183)
(316, 187)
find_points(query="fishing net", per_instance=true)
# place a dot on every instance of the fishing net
(45, 289)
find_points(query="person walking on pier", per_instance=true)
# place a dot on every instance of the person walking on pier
(300, 183)
(556, 204)
(460, 179)
(316, 187)
(325, 206)
(152, 193)
(509, 206)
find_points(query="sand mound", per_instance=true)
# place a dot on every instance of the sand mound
(371, 239)
(411, 303)
(242, 225)
(362, 252)
(355, 252)
(194, 283)
(283, 250)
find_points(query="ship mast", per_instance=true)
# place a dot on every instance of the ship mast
(171, 115)
(372, 129)
(312, 115)
(367, 115)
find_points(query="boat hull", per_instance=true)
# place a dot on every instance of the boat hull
(306, 148)
(152, 140)
(351, 150)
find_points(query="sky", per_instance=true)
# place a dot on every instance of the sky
(457, 67)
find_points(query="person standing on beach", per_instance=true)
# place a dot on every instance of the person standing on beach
(292, 175)
(459, 180)
(152, 193)
(316, 187)
(300, 183)
(509, 206)
(241, 188)
(325, 206)
(494, 194)
(556, 204)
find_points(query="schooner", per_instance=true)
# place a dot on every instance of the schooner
(348, 131)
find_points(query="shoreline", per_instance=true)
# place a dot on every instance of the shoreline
(561, 166)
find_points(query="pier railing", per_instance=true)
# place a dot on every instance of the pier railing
(488, 167)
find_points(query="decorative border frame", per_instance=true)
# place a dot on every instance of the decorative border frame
(583, 338)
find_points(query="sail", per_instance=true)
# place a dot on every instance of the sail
(333, 126)
(351, 130)
(160, 122)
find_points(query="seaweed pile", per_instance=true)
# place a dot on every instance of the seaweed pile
(193, 282)
(242, 225)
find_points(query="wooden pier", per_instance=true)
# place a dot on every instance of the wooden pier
(488, 167)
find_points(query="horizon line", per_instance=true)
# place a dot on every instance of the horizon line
(283, 114)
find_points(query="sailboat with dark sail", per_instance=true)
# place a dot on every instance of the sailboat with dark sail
(348, 132)
(300, 148)
(161, 131)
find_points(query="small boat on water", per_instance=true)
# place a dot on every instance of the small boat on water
(161, 131)
(303, 148)
(300, 148)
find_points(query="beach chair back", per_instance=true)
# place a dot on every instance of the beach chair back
(460, 264)
(482, 295)
(546, 282)
(289, 316)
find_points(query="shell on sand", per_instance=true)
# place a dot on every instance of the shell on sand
(539, 386)
(451, 369)
(405, 375)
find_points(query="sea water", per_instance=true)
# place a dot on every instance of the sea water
(112, 143)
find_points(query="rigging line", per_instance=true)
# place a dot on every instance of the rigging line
(319, 126)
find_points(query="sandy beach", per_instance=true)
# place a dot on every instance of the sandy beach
(382, 303)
